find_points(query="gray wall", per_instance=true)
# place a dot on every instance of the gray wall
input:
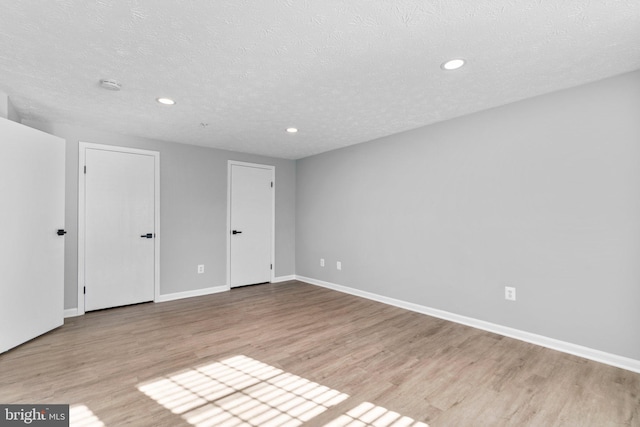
(12, 113)
(7, 110)
(193, 209)
(542, 195)
(4, 105)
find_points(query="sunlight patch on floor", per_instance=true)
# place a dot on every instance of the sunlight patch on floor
(368, 414)
(241, 391)
(81, 416)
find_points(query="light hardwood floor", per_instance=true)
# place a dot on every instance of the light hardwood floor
(299, 354)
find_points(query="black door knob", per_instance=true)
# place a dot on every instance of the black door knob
(236, 232)
(61, 232)
(147, 236)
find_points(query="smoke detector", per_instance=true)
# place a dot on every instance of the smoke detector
(110, 84)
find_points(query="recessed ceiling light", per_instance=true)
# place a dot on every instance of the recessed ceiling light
(292, 130)
(166, 101)
(453, 64)
(110, 84)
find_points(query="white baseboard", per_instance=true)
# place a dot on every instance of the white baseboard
(281, 279)
(70, 312)
(189, 294)
(554, 344)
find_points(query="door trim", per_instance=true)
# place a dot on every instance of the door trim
(272, 168)
(82, 147)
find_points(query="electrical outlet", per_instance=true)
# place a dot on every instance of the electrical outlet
(200, 268)
(339, 265)
(321, 262)
(509, 293)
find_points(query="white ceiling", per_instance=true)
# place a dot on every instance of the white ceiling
(343, 72)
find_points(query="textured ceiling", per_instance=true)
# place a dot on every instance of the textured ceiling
(343, 72)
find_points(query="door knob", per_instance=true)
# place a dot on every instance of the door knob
(61, 232)
(147, 236)
(236, 232)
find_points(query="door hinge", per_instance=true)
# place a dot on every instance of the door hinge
(85, 169)
(271, 267)
(271, 184)
(84, 290)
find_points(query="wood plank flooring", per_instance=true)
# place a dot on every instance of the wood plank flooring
(296, 354)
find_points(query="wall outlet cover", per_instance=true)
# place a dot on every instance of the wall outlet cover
(509, 293)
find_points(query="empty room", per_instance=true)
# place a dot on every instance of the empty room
(281, 213)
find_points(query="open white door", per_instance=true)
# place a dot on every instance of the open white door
(251, 223)
(31, 251)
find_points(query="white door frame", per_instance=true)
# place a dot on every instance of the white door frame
(83, 146)
(273, 215)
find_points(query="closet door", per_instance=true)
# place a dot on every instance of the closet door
(119, 226)
(251, 216)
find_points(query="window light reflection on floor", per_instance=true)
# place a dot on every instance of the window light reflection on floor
(81, 416)
(368, 414)
(241, 391)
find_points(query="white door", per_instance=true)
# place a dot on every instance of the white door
(31, 251)
(119, 228)
(251, 206)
